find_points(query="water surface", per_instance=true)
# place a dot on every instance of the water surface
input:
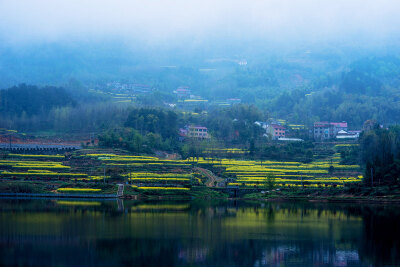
(196, 233)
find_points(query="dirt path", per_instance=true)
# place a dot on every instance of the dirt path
(211, 177)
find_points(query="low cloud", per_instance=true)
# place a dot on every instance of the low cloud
(173, 20)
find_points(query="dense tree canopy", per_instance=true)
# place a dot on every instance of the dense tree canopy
(151, 120)
(380, 150)
(32, 100)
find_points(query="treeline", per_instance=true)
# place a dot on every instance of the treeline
(334, 105)
(131, 140)
(27, 100)
(380, 150)
(158, 128)
(29, 108)
(143, 131)
(234, 124)
(79, 119)
(158, 121)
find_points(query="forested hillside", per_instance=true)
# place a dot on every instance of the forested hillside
(368, 89)
(289, 89)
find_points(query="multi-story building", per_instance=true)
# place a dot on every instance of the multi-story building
(192, 131)
(327, 130)
(276, 131)
(197, 132)
(340, 126)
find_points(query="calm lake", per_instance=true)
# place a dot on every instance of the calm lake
(197, 233)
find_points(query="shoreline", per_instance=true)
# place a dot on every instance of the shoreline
(328, 199)
(50, 195)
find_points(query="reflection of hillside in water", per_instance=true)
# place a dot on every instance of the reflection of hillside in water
(179, 233)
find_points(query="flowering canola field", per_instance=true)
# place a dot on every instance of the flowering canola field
(152, 173)
(24, 166)
(248, 173)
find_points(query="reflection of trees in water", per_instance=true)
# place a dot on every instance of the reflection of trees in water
(250, 252)
(380, 238)
(220, 233)
(380, 242)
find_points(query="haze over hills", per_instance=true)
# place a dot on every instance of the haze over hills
(56, 63)
(132, 40)
(301, 61)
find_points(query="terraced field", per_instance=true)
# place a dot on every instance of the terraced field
(246, 173)
(46, 167)
(151, 173)
(145, 173)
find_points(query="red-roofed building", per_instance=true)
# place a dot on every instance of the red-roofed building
(340, 126)
(276, 131)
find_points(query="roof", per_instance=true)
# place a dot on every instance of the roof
(276, 126)
(198, 127)
(182, 132)
(340, 124)
(182, 90)
(347, 136)
(322, 124)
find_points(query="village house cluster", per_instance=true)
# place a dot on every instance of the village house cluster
(120, 87)
(329, 130)
(321, 131)
(277, 130)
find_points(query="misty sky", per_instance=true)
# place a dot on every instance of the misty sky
(173, 20)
